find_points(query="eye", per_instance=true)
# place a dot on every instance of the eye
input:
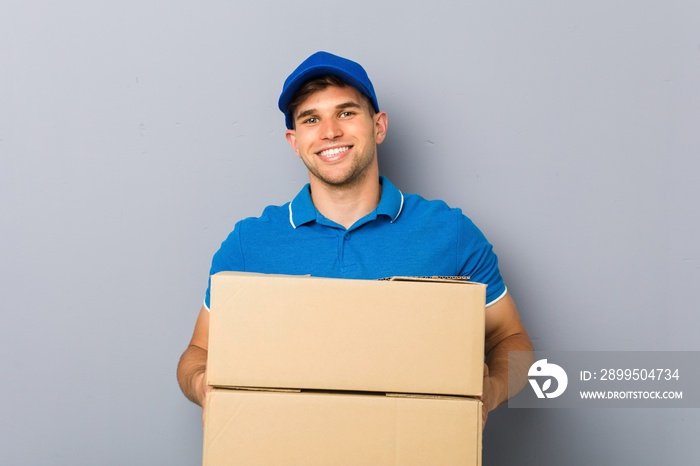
(346, 114)
(310, 121)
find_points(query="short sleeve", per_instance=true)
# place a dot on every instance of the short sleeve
(229, 257)
(479, 261)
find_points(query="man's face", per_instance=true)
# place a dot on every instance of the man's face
(336, 136)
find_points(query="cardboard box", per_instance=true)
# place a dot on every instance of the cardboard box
(278, 428)
(338, 334)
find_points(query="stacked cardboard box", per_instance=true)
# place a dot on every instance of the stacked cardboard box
(329, 371)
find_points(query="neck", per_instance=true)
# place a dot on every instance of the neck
(345, 205)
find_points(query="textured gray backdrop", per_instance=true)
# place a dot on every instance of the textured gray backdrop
(134, 134)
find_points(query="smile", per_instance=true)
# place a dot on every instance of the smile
(333, 152)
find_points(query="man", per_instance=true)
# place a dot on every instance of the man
(349, 222)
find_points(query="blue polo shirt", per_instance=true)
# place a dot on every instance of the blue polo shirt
(405, 235)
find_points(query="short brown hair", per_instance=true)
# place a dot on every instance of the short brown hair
(314, 85)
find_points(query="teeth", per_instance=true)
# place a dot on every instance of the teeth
(332, 152)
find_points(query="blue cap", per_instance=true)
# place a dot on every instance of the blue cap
(320, 64)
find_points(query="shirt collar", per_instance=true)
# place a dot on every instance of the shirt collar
(302, 209)
(391, 202)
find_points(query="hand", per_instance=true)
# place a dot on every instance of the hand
(202, 390)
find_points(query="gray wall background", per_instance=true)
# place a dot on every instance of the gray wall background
(134, 134)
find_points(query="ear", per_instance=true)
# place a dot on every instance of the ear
(381, 123)
(291, 136)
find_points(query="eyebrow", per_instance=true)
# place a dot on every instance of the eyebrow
(312, 111)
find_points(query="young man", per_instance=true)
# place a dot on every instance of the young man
(349, 222)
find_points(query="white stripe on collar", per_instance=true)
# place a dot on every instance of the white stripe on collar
(400, 209)
(291, 216)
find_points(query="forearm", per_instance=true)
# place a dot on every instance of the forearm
(191, 373)
(501, 388)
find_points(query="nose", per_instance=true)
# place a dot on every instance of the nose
(331, 129)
